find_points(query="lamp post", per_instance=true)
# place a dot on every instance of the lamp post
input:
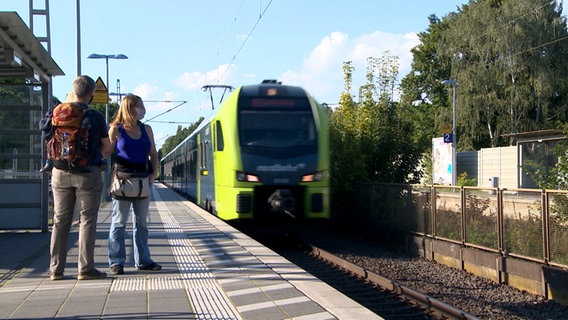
(106, 57)
(453, 83)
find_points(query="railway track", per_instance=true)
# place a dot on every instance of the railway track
(383, 296)
(430, 305)
(412, 276)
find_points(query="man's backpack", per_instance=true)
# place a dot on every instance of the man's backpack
(67, 148)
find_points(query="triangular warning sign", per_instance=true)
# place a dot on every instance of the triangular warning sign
(101, 92)
(100, 84)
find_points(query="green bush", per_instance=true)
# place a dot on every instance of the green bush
(464, 181)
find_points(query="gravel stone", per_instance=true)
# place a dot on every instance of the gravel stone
(475, 295)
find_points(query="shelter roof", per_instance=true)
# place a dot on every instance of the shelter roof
(21, 54)
(549, 134)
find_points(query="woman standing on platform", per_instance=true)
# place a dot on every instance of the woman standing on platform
(134, 143)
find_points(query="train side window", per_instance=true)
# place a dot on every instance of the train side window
(219, 134)
(193, 164)
(203, 149)
(202, 155)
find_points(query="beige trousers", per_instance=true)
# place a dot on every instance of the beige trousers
(70, 190)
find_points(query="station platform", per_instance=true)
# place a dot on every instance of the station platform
(210, 271)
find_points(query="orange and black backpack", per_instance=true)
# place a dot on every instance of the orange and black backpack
(67, 148)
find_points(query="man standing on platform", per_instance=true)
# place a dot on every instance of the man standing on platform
(81, 186)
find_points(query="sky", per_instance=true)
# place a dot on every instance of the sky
(175, 47)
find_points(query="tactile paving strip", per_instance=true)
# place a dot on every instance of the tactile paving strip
(210, 301)
(153, 284)
(222, 278)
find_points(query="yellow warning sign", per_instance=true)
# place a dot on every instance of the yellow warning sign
(446, 128)
(101, 92)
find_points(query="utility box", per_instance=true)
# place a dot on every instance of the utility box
(494, 182)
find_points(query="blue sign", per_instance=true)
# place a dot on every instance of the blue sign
(448, 138)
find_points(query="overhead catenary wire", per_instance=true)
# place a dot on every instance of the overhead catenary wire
(233, 28)
(262, 13)
(168, 101)
(171, 122)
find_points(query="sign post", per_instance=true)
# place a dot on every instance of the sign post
(101, 96)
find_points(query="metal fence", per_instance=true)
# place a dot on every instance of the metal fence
(525, 223)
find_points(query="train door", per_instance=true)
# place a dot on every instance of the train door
(200, 166)
(206, 177)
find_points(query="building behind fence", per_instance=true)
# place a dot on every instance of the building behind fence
(505, 167)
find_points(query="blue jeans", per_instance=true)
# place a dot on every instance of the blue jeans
(116, 237)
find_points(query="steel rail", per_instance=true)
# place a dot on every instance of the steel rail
(432, 305)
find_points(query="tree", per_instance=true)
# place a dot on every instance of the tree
(370, 140)
(384, 133)
(181, 133)
(424, 101)
(112, 109)
(508, 57)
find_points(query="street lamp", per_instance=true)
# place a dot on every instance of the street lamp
(106, 57)
(453, 83)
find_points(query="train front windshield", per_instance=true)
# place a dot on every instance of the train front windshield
(277, 123)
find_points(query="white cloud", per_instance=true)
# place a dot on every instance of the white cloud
(196, 80)
(322, 73)
(326, 52)
(169, 96)
(321, 68)
(145, 90)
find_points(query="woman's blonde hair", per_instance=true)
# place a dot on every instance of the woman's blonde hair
(71, 97)
(127, 114)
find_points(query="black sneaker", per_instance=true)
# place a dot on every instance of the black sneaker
(151, 267)
(92, 275)
(117, 269)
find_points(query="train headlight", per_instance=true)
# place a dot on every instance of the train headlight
(245, 177)
(316, 176)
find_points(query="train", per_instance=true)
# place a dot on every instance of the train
(263, 155)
